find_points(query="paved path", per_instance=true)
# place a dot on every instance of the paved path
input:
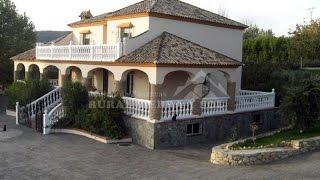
(33, 156)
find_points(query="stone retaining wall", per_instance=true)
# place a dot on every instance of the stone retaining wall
(224, 156)
(214, 129)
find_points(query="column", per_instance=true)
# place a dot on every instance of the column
(120, 88)
(26, 76)
(86, 82)
(197, 96)
(16, 75)
(155, 105)
(231, 90)
(62, 79)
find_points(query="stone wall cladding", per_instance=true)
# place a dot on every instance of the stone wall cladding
(215, 129)
(223, 156)
(141, 131)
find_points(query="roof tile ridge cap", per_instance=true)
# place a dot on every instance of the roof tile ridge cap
(163, 36)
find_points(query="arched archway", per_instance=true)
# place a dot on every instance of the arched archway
(178, 85)
(101, 80)
(136, 84)
(20, 73)
(33, 72)
(52, 74)
(74, 74)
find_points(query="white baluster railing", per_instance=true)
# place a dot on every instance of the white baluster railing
(180, 108)
(105, 53)
(214, 106)
(255, 101)
(48, 100)
(54, 82)
(49, 119)
(138, 108)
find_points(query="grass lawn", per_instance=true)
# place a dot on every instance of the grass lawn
(277, 139)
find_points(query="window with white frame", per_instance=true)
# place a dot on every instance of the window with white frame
(194, 129)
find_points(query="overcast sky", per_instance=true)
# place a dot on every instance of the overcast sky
(278, 15)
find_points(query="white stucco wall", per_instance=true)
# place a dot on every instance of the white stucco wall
(223, 40)
(140, 25)
(97, 35)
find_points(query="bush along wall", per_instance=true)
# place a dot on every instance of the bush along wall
(101, 115)
(26, 92)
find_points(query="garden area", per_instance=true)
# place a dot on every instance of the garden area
(101, 115)
(280, 63)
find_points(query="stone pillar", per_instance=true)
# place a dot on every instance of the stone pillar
(231, 90)
(155, 102)
(119, 88)
(197, 96)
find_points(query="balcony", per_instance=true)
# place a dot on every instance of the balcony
(94, 53)
(247, 101)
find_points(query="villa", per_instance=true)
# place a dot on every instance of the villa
(177, 67)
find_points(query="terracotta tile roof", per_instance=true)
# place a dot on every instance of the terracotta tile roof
(31, 54)
(171, 49)
(167, 7)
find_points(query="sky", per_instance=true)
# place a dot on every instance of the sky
(279, 15)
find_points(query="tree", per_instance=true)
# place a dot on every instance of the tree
(254, 31)
(305, 41)
(301, 105)
(17, 34)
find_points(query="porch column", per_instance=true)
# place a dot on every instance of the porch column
(231, 90)
(26, 76)
(15, 75)
(86, 82)
(62, 79)
(119, 88)
(155, 102)
(197, 91)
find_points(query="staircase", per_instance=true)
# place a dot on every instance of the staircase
(31, 115)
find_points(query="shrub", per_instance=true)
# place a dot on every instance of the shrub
(17, 92)
(104, 117)
(301, 105)
(75, 98)
(26, 92)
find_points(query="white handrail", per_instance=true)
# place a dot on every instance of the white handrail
(256, 101)
(214, 106)
(105, 53)
(182, 109)
(48, 100)
(138, 108)
(49, 119)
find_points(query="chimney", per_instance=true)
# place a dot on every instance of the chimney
(85, 15)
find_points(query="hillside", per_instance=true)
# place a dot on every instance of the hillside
(46, 36)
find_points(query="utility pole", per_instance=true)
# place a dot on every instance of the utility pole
(311, 12)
